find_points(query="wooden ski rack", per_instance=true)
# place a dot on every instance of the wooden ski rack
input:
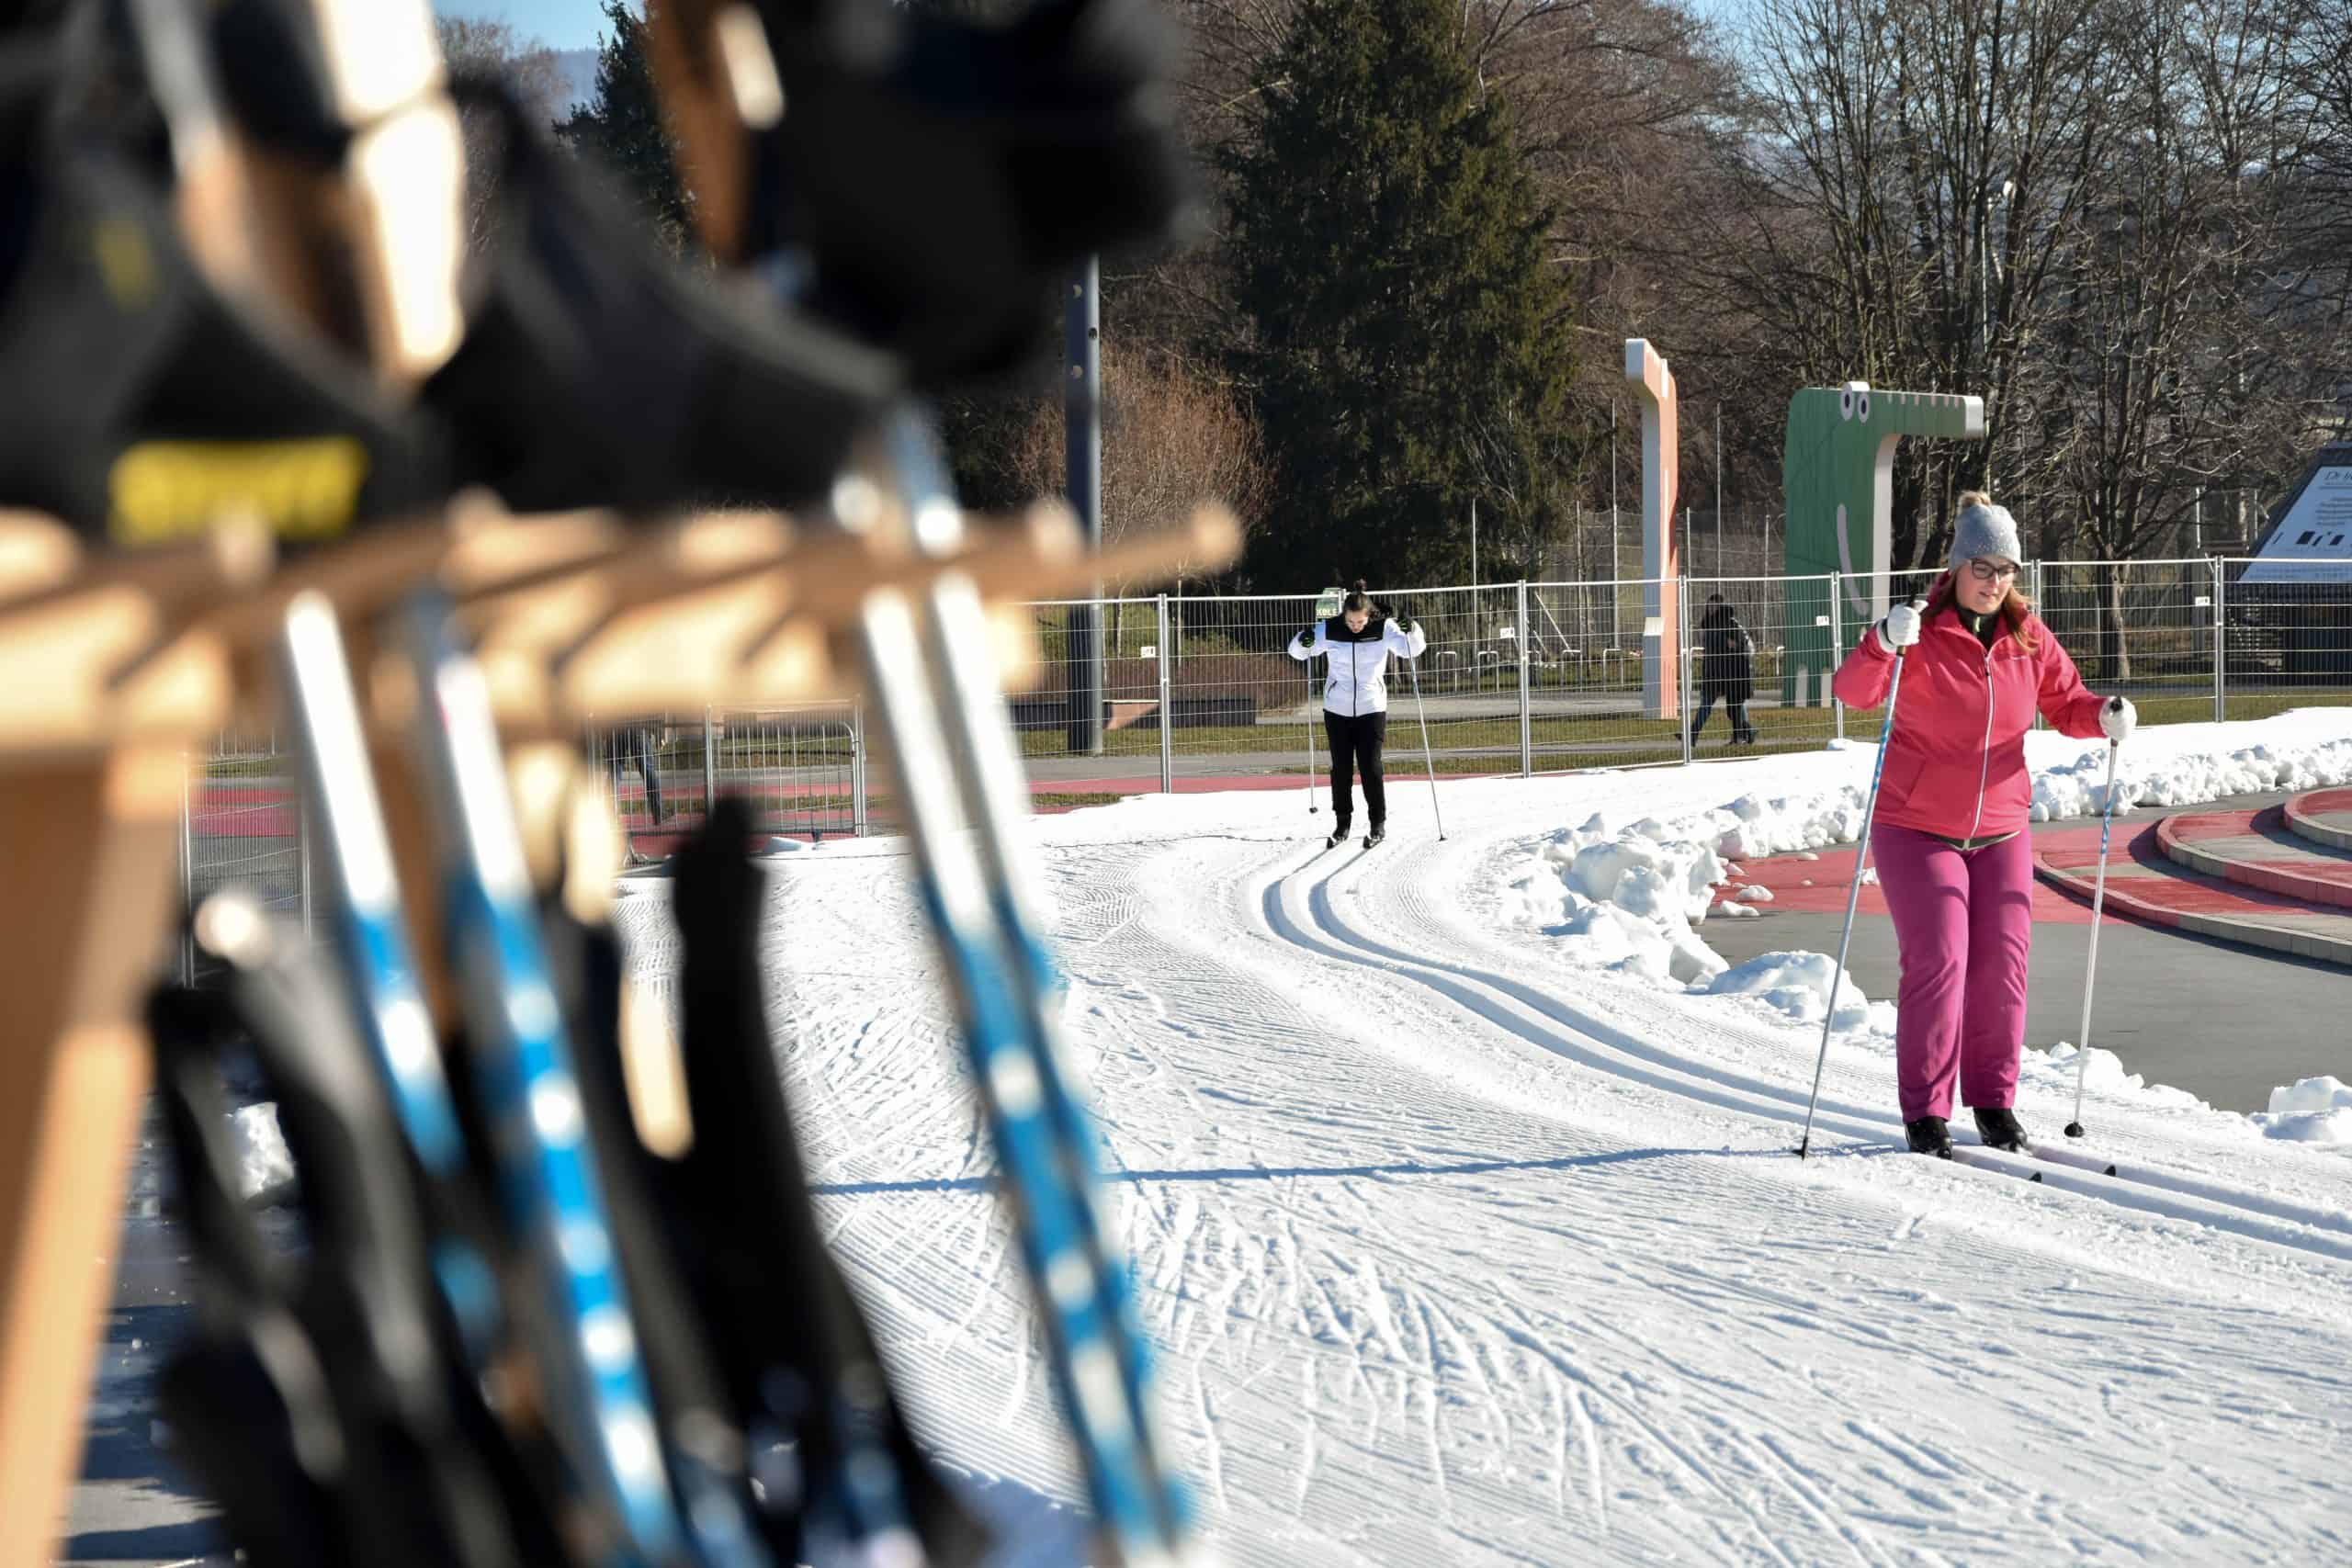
(109, 680)
(116, 670)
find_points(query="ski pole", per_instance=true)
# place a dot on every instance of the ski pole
(1853, 894)
(1413, 668)
(2090, 966)
(949, 721)
(1310, 739)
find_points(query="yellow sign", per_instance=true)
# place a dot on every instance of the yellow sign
(301, 489)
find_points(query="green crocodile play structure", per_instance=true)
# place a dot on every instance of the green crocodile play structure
(1837, 474)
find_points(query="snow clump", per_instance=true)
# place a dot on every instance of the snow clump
(2313, 1111)
(1797, 984)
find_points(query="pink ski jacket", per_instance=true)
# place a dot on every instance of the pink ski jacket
(1956, 764)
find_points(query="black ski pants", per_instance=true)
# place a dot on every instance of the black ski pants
(1740, 729)
(1355, 743)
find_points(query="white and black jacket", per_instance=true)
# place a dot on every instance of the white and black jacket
(1357, 676)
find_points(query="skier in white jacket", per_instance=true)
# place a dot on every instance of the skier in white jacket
(1357, 643)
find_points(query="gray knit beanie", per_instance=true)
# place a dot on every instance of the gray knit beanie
(1984, 529)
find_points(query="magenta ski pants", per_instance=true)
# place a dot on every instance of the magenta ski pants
(1964, 925)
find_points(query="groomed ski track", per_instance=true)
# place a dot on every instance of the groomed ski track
(1459, 1255)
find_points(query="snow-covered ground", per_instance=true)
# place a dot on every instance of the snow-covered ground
(1457, 1179)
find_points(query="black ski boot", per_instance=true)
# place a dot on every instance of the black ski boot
(1928, 1135)
(2000, 1130)
(1339, 835)
(1379, 831)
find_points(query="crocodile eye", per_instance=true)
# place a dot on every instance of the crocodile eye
(1862, 409)
(1846, 405)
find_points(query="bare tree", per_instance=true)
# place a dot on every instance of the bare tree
(1173, 438)
(1910, 166)
(475, 47)
(2189, 350)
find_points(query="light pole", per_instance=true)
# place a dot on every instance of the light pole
(1082, 459)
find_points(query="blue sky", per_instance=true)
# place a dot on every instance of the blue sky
(561, 24)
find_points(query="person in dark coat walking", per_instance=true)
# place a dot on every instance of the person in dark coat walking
(636, 744)
(1726, 670)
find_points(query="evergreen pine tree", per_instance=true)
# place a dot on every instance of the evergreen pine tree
(623, 125)
(1391, 256)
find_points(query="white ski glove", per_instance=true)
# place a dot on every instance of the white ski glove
(1899, 631)
(2118, 719)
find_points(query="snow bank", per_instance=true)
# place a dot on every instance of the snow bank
(1798, 985)
(2055, 1070)
(2147, 777)
(1759, 825)
(1623, 897)
(2313, 1110)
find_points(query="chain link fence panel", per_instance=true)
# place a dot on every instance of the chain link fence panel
(2286, 643)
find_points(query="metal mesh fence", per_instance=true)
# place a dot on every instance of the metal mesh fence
(1122, 745)
(1200, 692)
(654, 764)
(1774, 638)
(2287, 643)
(2142, 629)
(1465, 681)
(803, 770)
(1561, 675)
(1593, 695)
(242, 827)
(1237, 706)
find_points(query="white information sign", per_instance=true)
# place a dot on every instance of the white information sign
(2312, 543)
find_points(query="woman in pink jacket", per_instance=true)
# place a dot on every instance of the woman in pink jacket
(1949, 837)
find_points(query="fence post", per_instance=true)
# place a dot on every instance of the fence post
(1682, 658)
(2221, 637)
(1837, 653)
(2042, 608)
(857, 768)
(1526, 714)
(1166, 708)
(709, 764)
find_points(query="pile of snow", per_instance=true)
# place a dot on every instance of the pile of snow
(2315, 1111)
(2054, 1069)
(2147, 777)
(1623, 897)
(1797, 984)
(1756, 826)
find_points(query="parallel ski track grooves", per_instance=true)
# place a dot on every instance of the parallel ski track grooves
(1299, 908)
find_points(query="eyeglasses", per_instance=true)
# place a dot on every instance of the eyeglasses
(1985, 571)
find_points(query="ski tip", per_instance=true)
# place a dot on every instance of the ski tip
(2073, 1129)
(2108, 1171)
(2037, 1176)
